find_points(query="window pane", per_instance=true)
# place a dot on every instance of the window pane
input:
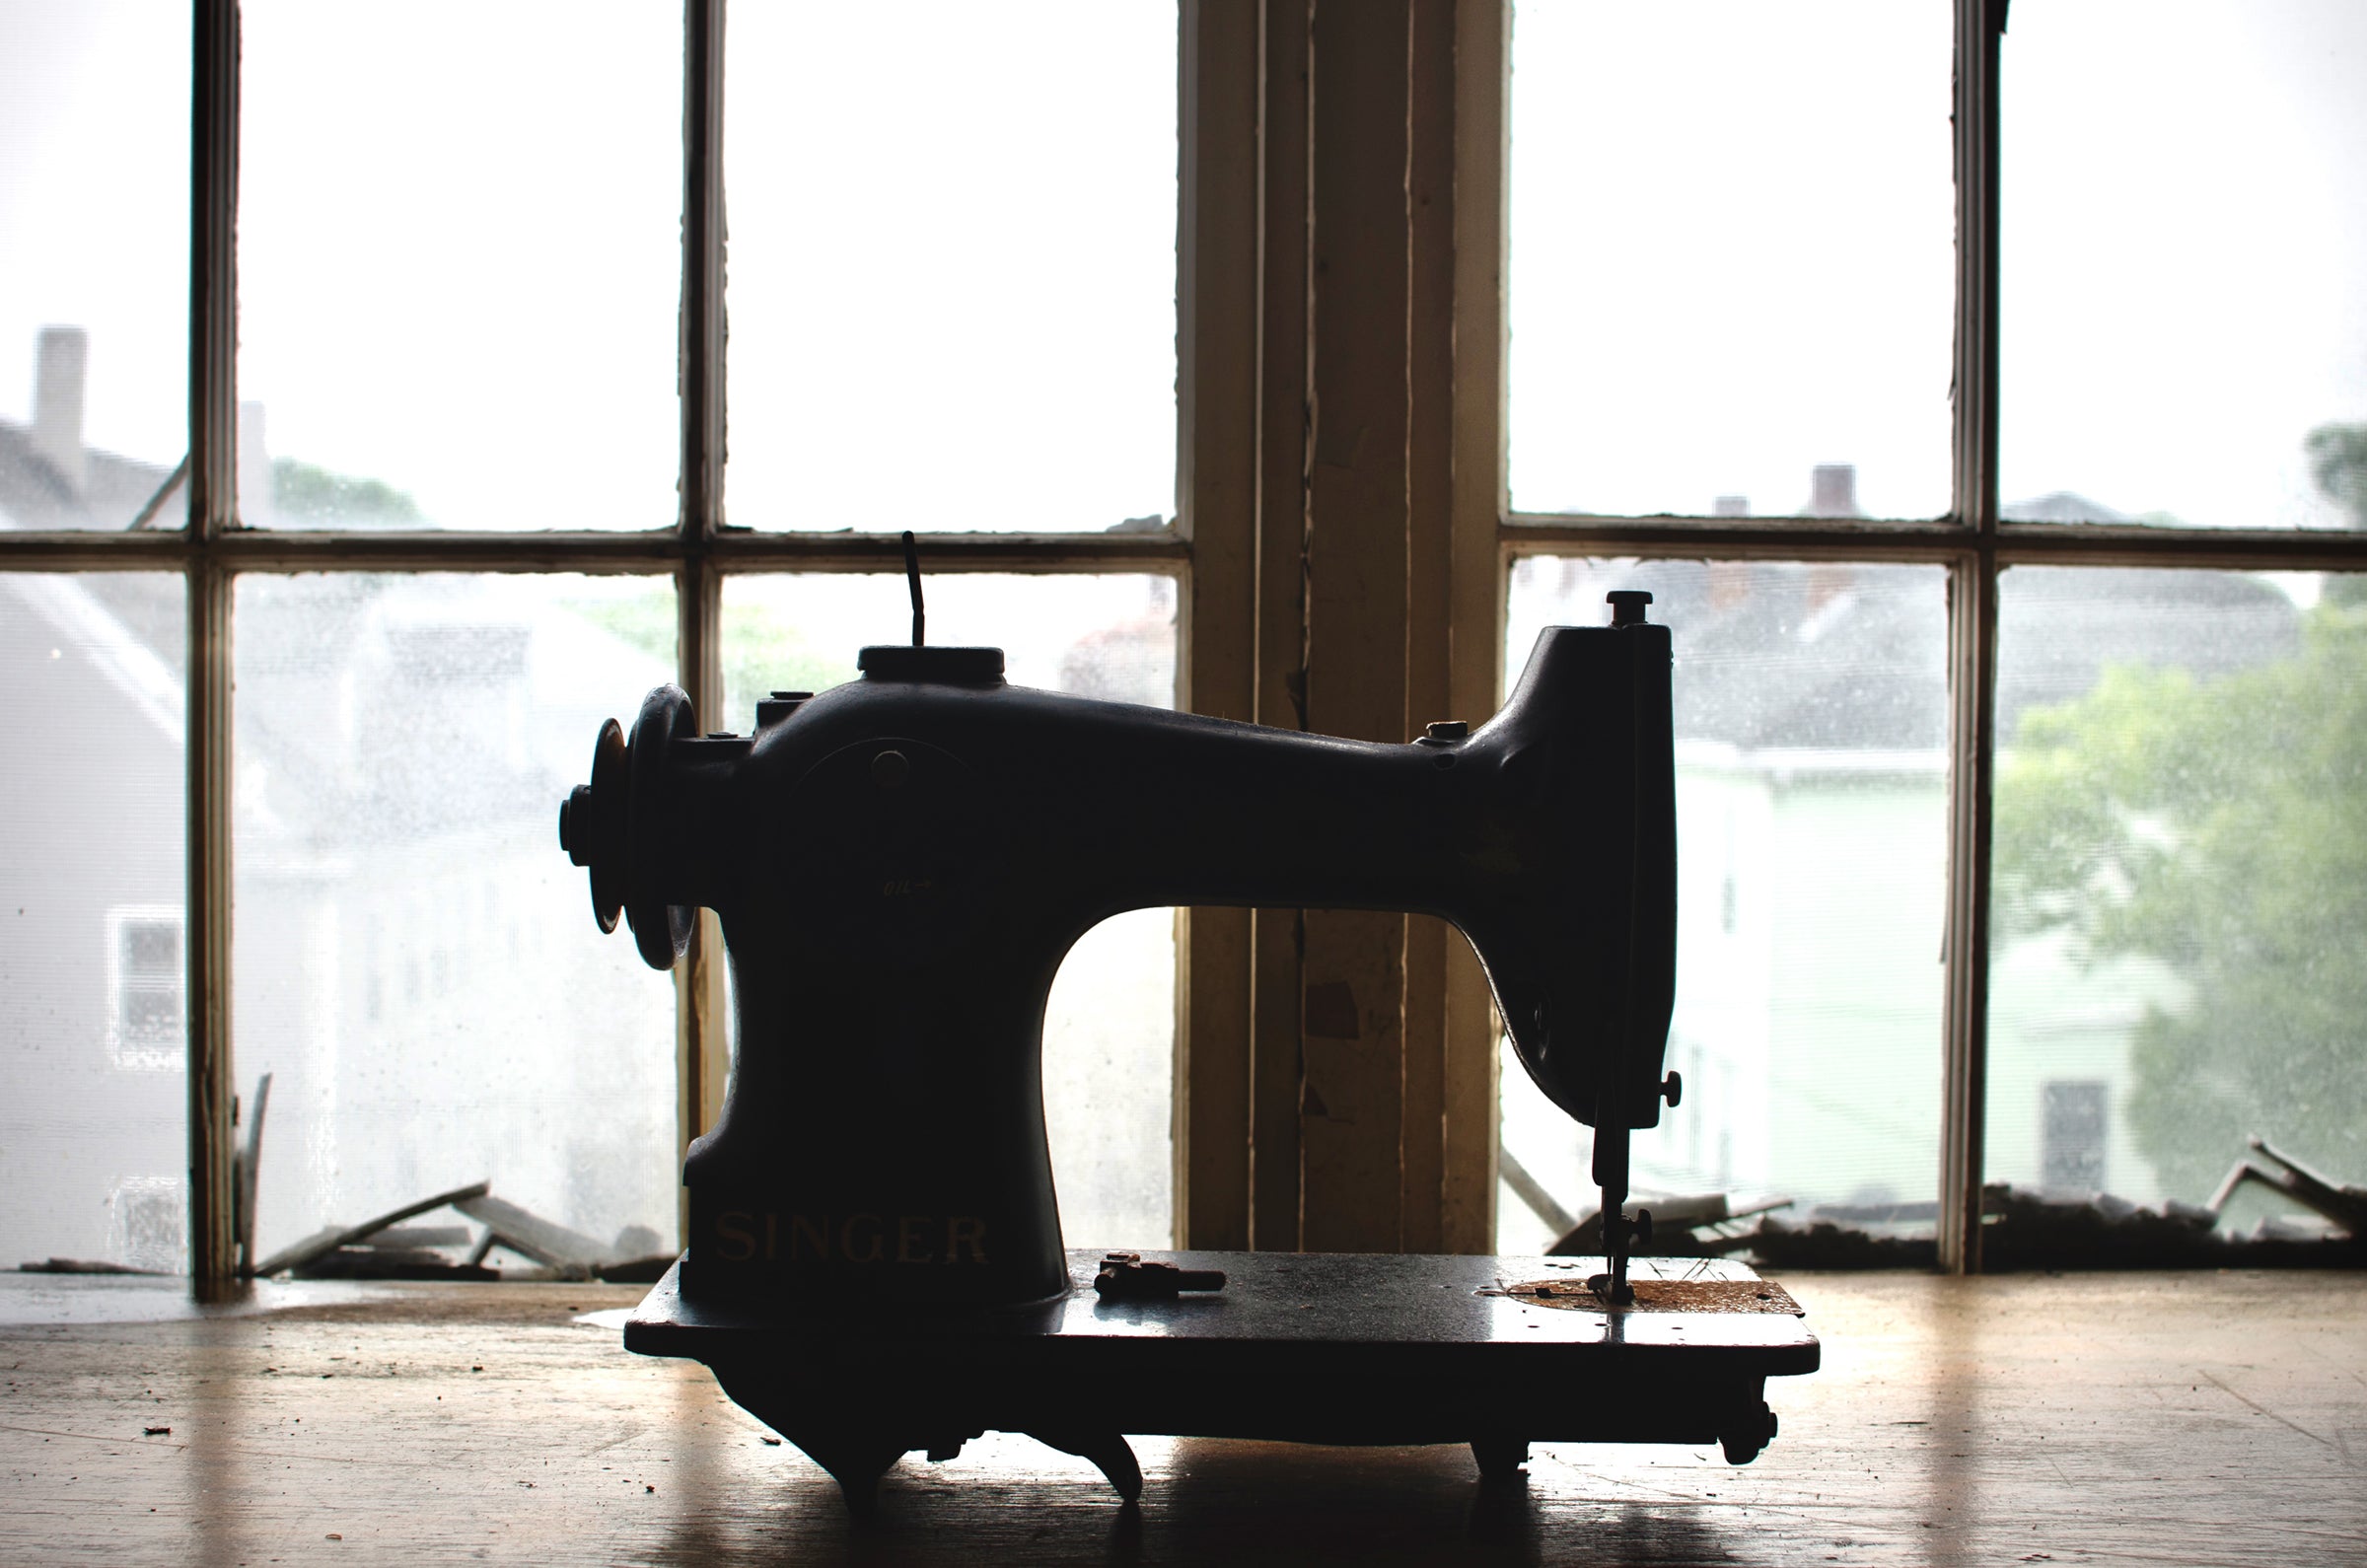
(2182, 316)
(953, 266)
(1732, 257)
(2180, 878)
(1811, 708)
(93, 1098)
(417, 964)
(1108, 1031)
(94, 261)
(460, 263)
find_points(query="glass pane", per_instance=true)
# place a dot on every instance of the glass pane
(1108, 1031)
(460, 268)
(2180, 878)
(93, 262)
(416, 961)
(1733, 259)
(1811, 708)
(953, 286)
(2182, 317)
(93, 1096)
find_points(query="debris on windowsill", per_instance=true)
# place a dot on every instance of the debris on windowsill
(2030, 1228)
(1824, 1243)
(2022, 1228)
(647, 1269)
(373, 1262)
(2344, 1206)
(390, 1248)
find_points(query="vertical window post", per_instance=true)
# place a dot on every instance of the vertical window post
(212, 512)
(701, 1028)
(1973, 636)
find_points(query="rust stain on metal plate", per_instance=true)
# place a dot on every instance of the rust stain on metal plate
(1665, 1296)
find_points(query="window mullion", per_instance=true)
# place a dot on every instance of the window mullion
(214, 1263)
(1973, 636)
(702, 1054)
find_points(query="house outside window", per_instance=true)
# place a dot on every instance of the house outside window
(1978, 407)
(1809, 279)
(147, 976)
(2071, 1139)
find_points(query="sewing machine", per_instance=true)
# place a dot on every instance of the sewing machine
(875, 1262)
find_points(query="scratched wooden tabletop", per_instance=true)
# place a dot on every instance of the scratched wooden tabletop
(2206, 1418)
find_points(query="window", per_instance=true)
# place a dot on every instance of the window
(145, 976)
(1976, 404)
(454, 491)
(2083, 868)
(149, 1219)
(2071, 1138)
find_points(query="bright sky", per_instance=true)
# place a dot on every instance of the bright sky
(95, 209)
(1731, 253)
(1733, 232)
(953, 288)
(2185, 249)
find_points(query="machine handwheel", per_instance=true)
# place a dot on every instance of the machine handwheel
(660, 931)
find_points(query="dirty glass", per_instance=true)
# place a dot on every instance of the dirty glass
(416, 963)
(1109, 1033)
(459, 264)
(2179, 953)
(2181, 247)
(953, 266)
(1811, 724)
(94, 257)
(93, 1096)
(1732, 257)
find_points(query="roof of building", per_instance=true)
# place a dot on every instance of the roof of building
(1794, 656)
(34, 494)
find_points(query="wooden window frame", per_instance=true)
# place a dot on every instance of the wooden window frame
(698, 550)
(1254, 149)
(1972, 543)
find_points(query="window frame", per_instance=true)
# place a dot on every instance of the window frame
(696, 549)
(1971, 542)
(1243, 406)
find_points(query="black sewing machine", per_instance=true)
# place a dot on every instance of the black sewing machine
(875, 1262)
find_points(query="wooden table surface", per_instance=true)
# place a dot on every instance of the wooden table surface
(2200, 1418)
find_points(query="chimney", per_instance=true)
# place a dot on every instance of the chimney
(1731, 506)
(254, 468)
(1832, 490)
(59, 367)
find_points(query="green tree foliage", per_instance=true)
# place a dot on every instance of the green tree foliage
(2218, 827)
(2338, 462)
(302, 490)
(762, 651)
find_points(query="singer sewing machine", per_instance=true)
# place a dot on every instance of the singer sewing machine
(874, 1262)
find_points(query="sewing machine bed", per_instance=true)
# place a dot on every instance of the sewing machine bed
(1310, 1347)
